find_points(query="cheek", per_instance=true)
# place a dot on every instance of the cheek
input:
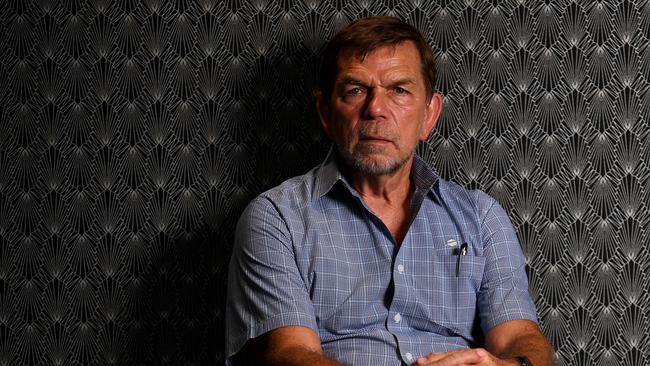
(345, 124)
(412, 124)
(346, 111)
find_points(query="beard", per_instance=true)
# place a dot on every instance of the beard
(371, 159)
(361, 160)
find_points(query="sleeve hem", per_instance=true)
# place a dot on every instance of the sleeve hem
(267, 325)
(489, 324)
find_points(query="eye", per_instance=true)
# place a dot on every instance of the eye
(354, 91)
(400, 90)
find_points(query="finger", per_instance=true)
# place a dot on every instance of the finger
(433, 356)
(453, 358)
(438, 356)
(486, 358)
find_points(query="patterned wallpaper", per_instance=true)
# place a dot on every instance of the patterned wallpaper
(133, 133)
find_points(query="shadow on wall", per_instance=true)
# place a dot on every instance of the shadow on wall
(183, 290)
(270, 133)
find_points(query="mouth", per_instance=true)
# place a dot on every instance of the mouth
(375, 139)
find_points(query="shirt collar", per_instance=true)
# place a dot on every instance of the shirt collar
(329, 173)
(423, 175)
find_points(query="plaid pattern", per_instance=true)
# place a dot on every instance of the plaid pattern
(310, 252)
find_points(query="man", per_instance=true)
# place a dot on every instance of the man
(370, 258)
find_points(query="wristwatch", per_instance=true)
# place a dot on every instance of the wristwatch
(524, 361)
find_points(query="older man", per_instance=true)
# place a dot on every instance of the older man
(370, 258)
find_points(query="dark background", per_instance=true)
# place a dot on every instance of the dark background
(133, 133)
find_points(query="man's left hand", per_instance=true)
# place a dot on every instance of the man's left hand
(477, 356)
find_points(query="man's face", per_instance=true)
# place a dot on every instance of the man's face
(379, 110)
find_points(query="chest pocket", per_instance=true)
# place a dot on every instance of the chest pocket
(453, 293)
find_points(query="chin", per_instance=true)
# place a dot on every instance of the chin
(372, 160)
(375, 165)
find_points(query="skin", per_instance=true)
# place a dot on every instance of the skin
(377, 114)
(503, 342)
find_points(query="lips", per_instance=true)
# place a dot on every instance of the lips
(375, 138)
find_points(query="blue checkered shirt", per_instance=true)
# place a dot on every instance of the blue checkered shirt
(311, 253)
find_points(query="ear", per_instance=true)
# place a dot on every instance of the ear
(323, 108)
(431, 115)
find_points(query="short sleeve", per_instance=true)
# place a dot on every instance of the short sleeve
(503, 295)
(265, 288)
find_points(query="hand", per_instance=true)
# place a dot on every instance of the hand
(477, 356)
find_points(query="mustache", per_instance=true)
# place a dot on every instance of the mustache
(371, 130)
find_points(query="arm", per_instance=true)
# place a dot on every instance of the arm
(503, 343)
(519, 338)
(266, 292)
(291, 345)
(506, 310)
(503, 295)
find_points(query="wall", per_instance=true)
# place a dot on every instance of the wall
(133, 133)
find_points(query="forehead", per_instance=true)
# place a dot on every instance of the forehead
(401, 56)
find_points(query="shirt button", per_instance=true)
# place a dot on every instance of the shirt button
(409, 356)
(397, 318)
(400, 268)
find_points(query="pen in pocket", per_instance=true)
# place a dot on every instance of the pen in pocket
(461, 252)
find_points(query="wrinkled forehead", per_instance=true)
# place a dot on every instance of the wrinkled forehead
(360, 55)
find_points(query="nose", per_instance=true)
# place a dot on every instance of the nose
(376, 104)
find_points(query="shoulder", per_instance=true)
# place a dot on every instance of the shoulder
(288, 198)
(467, 200)
(294, 192)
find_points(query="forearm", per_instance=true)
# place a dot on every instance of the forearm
(298, 356)
(534, 346)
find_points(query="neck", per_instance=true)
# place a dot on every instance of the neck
(393, 189)
(389, 197)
